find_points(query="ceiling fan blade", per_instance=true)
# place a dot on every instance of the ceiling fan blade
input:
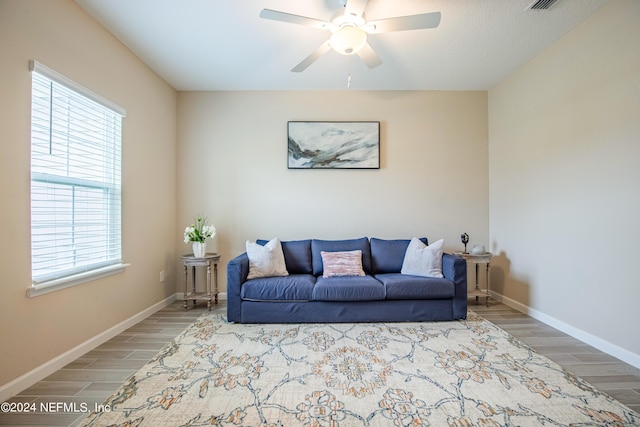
(403, 23)
(294, 19)
(369, 56)
(324, 48)
(355, 7)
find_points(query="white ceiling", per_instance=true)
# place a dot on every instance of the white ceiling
(224, 45)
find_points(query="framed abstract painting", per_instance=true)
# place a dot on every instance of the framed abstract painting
(333, 145)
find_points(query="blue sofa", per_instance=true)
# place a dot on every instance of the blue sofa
(382, 295)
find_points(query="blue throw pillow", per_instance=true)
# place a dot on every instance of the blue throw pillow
(387, 256)
(297, 255)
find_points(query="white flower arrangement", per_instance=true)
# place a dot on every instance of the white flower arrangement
(199, 231)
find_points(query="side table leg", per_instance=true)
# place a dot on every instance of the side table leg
(193, 282)
(215, 279)
(185, 288)
(209, 286)
(488, 280)
(477, 283)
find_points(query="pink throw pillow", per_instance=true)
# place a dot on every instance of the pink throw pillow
(348, 263)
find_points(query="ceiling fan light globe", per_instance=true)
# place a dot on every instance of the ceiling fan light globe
(348, 40)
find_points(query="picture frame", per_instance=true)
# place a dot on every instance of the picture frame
(333, 145)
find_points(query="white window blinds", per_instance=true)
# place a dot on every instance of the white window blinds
(75, 179)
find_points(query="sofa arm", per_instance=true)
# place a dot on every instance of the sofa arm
(454, 268)
(237, 272)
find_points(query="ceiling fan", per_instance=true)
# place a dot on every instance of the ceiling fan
(350, 29)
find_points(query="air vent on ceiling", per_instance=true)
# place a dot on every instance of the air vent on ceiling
(541, 5)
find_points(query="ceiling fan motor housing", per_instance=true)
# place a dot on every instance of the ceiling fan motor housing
(348, 40)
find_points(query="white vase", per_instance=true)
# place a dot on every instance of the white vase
(477, 250)
(199, 249)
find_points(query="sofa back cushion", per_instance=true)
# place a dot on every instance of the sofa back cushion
(387, 256)
(317, 246)
(297, 255)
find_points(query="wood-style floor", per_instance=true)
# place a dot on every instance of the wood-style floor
(90, 379)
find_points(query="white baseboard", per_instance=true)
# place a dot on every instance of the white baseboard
(30, 378)
(594, 341)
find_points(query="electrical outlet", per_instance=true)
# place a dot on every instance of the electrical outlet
(161, 276)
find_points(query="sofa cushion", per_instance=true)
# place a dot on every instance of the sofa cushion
(387, 256)
(267, 260)
(403, 286)
(347, 263)
(348, 288)
(317, 246)
(422, 260)
(295, 287)
(297, 255)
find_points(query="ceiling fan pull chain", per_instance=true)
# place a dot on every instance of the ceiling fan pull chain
(349, 72)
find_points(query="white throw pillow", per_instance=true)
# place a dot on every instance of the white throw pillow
(423, 260)
(267, 260)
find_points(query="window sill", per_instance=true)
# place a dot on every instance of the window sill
(76, 279)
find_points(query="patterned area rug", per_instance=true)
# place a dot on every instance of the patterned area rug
(463, 373)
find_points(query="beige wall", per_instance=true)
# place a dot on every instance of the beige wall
(60, 35)
(433, 181)
(564, 182)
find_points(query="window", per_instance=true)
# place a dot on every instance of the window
(75, 183)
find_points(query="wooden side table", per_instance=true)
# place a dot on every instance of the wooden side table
(193, 262)
(477, 260)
